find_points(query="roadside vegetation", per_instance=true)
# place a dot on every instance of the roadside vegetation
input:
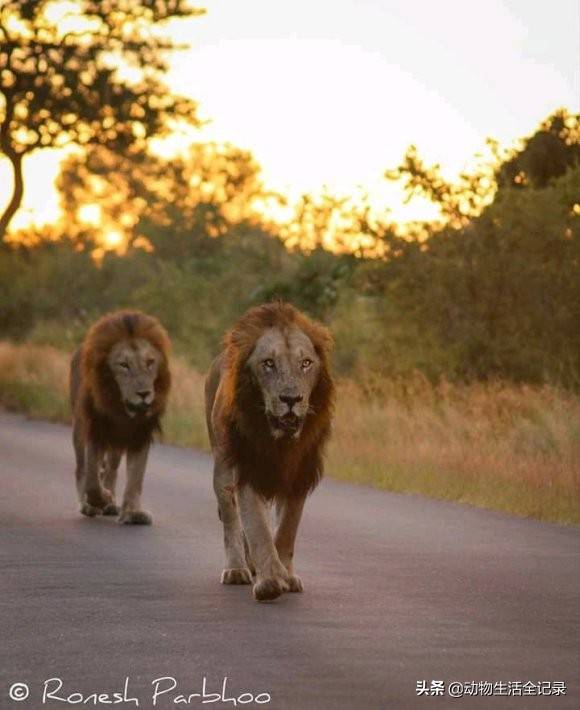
(510, 447)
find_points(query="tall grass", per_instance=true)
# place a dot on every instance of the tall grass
(495, 445)
(34, 380)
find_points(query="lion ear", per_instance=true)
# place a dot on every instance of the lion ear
(324, 342)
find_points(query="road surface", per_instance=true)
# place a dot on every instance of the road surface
(398, 590)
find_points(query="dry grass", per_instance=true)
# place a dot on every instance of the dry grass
(34, 380)
(494, 445)
(184, 423)
(500, 446)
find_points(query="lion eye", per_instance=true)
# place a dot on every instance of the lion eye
(124, 365)
(150, 362)
(306, 363)
(268, 364)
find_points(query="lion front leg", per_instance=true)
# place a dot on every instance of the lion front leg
(131, 511)
(109, 479)
(94, 498)
(271, 575)
(289, 514)
(236, 569)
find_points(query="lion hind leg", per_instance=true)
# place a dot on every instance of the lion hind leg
(79, 448)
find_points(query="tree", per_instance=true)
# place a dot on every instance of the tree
(494, 287)
(548, 153)
(500, 297)
(87, 72)
(545, 155)
(336, 223)
(458, 202)
(178, 204)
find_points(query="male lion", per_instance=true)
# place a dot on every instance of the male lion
(269, 402)
(119, 384)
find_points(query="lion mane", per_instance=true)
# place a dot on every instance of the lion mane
(273, 467)
(95, 395)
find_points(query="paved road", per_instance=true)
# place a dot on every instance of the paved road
(399, 589)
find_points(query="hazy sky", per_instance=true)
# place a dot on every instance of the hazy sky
(333, 91)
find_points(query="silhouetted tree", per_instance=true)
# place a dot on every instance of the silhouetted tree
(86, 72)
(335, 223)
(547, 154)
(500, 296)
(178, 204)
(458, 202)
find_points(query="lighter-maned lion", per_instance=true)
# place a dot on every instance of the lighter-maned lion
(119, 385)
(269, 400)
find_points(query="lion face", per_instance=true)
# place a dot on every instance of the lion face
(285, 365)
(135, 364)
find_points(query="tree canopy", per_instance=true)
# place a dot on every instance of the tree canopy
(545, 155)
(175, 205)
(84, 72)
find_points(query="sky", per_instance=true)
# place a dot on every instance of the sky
(331, 92)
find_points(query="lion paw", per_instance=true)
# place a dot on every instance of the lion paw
(89, 510)
(295, 584)
(236, 576)
(111, 509)
(135, 517)
(269, 588)
(98, 498)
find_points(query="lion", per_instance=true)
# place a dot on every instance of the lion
(119, 384)
(269, 401)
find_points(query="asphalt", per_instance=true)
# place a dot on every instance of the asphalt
(399, 590)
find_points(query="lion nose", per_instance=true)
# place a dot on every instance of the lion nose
(144, 394)
(290, 400)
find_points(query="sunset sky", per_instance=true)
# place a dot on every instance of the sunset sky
(332, 92)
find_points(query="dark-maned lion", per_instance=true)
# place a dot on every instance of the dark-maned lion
(269, 399)
(119, 385)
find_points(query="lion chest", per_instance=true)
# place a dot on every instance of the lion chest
(117, 430)
(276, 469)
